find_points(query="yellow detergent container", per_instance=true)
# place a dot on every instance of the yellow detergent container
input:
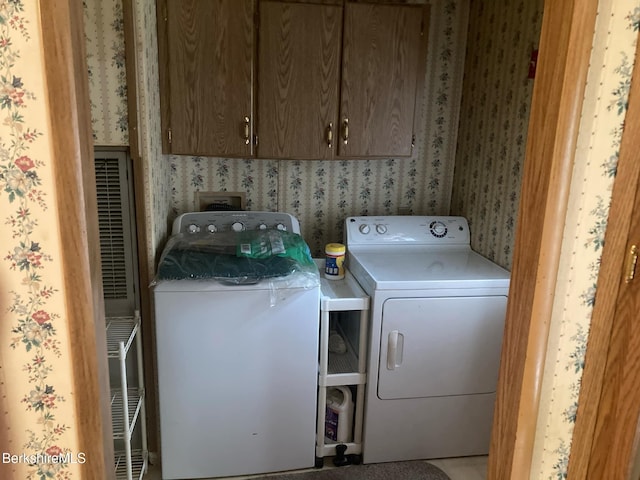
(334, 263)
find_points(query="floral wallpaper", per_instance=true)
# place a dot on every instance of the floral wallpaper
(600, 134)
(495, 111)
(37, 400)
(107, 73)
(105, 45)
(156, 167)
(322, 193)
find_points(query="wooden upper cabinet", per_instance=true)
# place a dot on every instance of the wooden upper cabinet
(207, 73)
(332, 79)
(383, 61)
(298, 79)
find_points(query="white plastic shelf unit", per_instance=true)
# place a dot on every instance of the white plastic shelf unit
(341, 369)
(127, 403)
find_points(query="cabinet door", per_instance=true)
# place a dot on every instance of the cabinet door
(383, 57)
(299, 66)
(210, 52)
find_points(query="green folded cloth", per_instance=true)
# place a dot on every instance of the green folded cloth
(244, 257)
(182, 264)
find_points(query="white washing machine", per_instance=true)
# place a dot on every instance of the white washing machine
(237, 363)
(437, 318)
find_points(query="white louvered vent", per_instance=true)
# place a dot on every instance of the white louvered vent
(117, 241)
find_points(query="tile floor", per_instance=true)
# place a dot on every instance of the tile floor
(464, 468)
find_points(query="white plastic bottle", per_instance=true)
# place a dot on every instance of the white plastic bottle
(338, 421)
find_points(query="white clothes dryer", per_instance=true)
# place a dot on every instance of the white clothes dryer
(437, 318)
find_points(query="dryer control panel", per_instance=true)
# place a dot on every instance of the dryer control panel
(407, 230)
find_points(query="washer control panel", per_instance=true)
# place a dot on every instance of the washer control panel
(407, 230)
(226, 221)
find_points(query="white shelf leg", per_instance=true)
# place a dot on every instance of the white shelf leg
(143, 411)
(362, 368)
(322, 389)
(125, 407)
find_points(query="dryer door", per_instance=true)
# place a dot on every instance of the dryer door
(433, 347)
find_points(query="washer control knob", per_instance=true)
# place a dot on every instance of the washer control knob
(281, 226)
(364, 229)
(193, 228)
(381, 229)
(262, 226)
(237, 226)
(211, 228)
(438, 229)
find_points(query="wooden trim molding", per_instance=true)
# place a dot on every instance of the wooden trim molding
(163, 71)
(593, 432)
(68, 97)
(144, 269)
(565, 44)
(131, 63)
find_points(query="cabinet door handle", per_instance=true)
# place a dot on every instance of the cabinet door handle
(632, 259)
(330, 135)
(345, 131)
(247, 138)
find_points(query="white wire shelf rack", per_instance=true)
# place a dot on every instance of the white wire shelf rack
(127, 403)
(139, 464)
(133, 398)
(121, 330)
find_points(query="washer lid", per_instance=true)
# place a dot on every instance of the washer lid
(386, 269)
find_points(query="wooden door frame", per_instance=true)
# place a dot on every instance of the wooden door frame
(565, 49)
(67, 87)
(145, 269)
(603, 389)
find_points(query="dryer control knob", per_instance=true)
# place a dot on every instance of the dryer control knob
(211, 228)
(193, 228)
(438, 229)
(237, 227)
(262, 226)
(381, 229)
(281, 226)
(364, 229)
